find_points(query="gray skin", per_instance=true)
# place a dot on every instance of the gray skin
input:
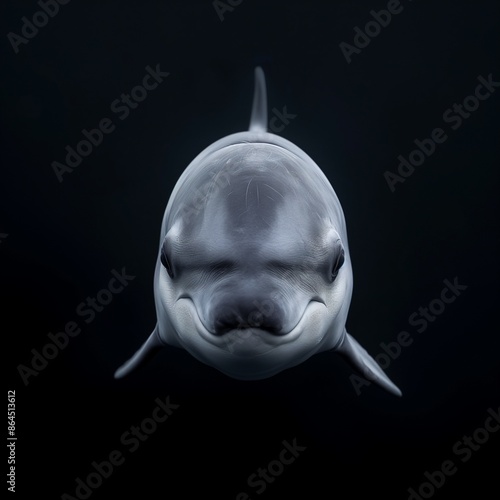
(253, 273)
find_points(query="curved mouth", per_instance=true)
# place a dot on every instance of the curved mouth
(249, 341)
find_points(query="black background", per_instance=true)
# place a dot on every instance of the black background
(354, 120)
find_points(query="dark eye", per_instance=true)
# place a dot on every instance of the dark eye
(166, 263)
(337, 265)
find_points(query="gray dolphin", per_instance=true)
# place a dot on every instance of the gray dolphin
(253, 273)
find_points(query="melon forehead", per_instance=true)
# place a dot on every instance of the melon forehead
(250, 187)
(236, 165)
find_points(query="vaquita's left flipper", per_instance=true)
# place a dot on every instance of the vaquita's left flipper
(361, 361)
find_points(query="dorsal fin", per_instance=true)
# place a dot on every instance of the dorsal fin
(258, 120)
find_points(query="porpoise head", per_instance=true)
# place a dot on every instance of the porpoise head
(253, 273)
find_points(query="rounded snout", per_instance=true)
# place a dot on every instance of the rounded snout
(244, 312)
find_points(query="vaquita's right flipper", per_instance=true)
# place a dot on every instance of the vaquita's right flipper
(152, 345)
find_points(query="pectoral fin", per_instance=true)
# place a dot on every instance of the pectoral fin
(359, 359)
(142, 356)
